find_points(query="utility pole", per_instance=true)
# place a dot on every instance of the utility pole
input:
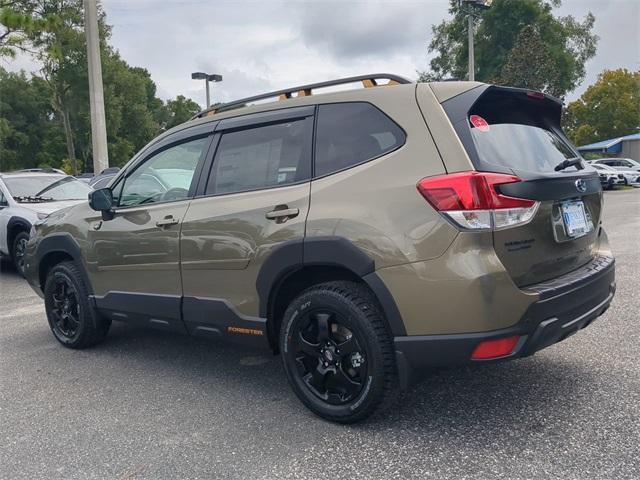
(471, 6)
(96, 93)
(472, 66)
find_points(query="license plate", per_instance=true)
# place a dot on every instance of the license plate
(575, 219)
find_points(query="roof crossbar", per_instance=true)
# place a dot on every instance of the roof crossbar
(368, 81)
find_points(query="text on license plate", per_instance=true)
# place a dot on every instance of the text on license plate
(575, 219)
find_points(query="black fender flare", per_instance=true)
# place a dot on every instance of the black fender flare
(62, 243)
(332, 251)
(14, 222)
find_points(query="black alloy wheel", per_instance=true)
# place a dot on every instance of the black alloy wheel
(65, 311)
(338, 353)
(19, 251)
(328, 356)
(73, 320)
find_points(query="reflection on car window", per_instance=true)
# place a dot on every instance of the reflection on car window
(164, 177)
(262, 157)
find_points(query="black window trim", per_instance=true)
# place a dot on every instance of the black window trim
(269, 117)
(398, 147)
(183, 136)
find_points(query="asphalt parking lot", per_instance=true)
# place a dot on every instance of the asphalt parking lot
(151, 405)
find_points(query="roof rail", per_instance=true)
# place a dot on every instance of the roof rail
(369, 80)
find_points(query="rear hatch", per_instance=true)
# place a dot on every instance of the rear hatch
(517, 132)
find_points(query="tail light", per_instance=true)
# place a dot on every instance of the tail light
(472, 201)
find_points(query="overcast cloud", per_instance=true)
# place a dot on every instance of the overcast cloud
(259, 46)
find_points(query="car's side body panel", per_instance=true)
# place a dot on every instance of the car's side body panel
(390, 221)
(5, 215)
(130, 253)
(450, 148)
(226, 239)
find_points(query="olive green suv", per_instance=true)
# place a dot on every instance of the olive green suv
(365, 235)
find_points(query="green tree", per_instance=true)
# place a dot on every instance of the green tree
(28, 136)
(609, 108)
(180, 110)
(53, 32)
(18, 19)
(530, 64)
(563, 44)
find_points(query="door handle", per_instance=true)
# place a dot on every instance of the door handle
(282, 214)
(167, 221)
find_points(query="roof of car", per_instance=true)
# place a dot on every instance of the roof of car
(32, 174)
(614, 158)
(443, 91)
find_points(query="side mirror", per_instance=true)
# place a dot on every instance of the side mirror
(101, 200)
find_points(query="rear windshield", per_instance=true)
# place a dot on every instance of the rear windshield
(517, 134)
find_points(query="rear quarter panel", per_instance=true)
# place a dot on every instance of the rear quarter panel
(376, 205)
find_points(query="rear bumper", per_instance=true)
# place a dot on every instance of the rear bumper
(566, 304)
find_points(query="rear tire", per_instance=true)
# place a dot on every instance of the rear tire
(18, 248)
(337, 352)
(72, 319)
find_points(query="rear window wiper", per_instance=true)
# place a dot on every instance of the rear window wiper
(570, 162)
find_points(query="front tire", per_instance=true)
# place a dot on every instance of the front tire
(337, 352)
(18, 249)
(72, 319)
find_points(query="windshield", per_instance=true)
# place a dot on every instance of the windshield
(47, 188)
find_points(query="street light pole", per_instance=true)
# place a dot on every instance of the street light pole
(96, 93)
(207, 77)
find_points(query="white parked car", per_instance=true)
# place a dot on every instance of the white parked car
(631, 177)
(619, 163)
(609, 177)
(28, 196)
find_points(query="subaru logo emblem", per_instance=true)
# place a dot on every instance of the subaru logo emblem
(581, 186)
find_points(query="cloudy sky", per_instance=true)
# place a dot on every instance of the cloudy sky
(264, 45)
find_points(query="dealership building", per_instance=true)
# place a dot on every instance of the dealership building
(622, 147)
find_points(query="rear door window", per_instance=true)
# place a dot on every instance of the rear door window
(262, 157)
(349, 134)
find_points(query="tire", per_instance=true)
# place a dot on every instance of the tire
(337, 352)
(72, 319)
(18, 250)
